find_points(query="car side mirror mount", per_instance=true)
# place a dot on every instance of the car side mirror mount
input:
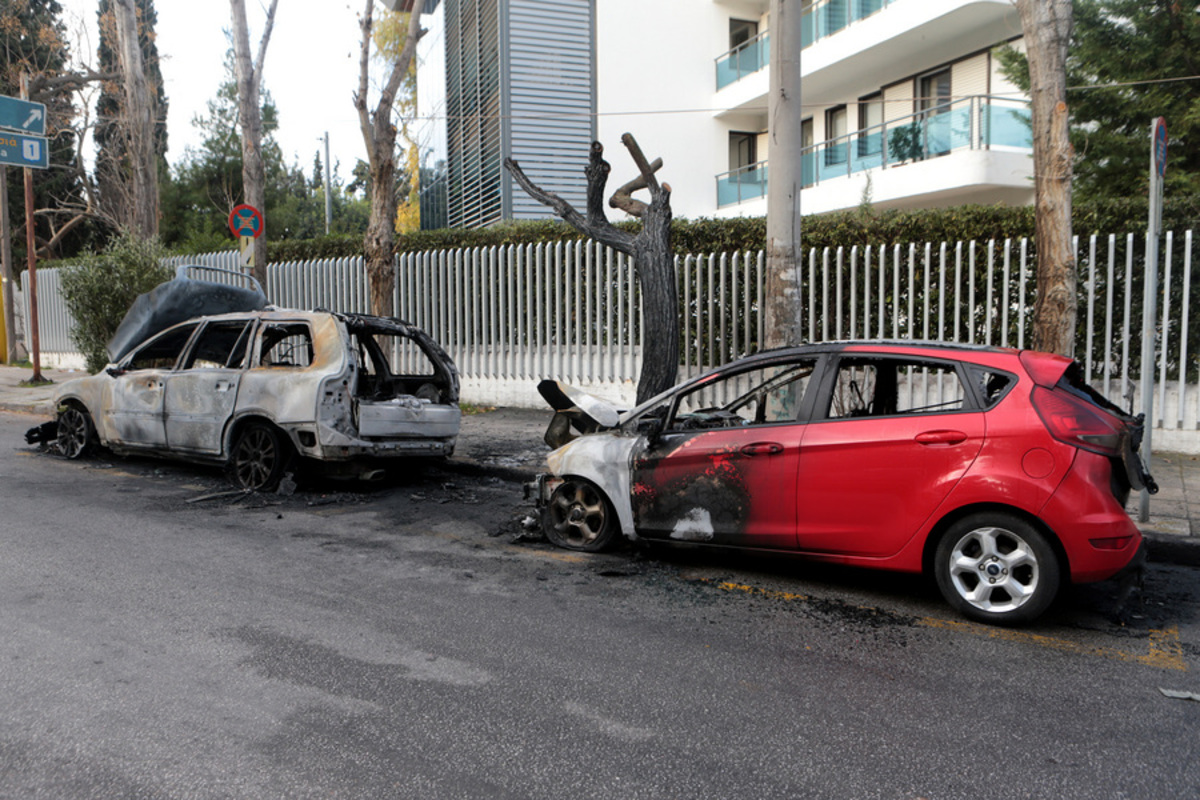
(114, 371)
(651, 428)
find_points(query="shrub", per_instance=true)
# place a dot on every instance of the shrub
(99, 288)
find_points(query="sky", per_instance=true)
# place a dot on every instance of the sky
(311, 69)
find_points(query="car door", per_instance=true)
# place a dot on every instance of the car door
(723, 468)
(200, 395)
(890, 439)
(135, 408)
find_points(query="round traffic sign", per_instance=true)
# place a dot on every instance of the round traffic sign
(1160, 146)
(245, 220)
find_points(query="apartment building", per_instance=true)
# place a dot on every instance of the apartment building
(904, 103)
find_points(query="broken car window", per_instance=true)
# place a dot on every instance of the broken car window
(764, 396)
(221, 345)
(882, 387)
(162, 351)
(285, 344)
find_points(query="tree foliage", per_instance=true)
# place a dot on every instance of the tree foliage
(207, 183)
(33, 41)
(1126, 66)
(100, 287)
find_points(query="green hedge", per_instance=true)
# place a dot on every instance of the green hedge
(847, 228)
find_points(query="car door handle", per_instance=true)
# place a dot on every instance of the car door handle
(223, 386)
(941, 437)
(762, 449)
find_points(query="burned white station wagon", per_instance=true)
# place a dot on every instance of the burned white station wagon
(256, 389)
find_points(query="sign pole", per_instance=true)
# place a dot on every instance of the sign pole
(1158, 168)
(35, 350)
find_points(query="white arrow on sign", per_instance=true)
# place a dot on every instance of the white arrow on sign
(34, 116)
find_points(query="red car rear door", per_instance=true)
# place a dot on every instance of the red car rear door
(897, 436)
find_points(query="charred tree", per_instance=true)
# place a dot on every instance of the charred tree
(249, 83)
(1047, 28)
(650, 249)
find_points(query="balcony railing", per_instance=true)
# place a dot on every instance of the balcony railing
(971, 123)
(740, 185)
(748, 57)
(975, 123)
(827, 17)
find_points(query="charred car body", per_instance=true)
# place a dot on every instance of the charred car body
(253, 389)
(1000, 472)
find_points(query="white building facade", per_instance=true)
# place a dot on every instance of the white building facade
(904, 102)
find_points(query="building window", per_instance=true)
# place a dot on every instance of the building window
(741, 31)
(837, 148)
(870, 125)
(743, 149)
(933, 93)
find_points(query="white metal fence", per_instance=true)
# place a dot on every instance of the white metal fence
(513, 315)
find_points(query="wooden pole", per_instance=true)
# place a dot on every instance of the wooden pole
(35, 351)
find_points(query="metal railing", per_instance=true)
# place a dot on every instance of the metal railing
(745, 59)
(827, 17)
(979, 122)
(510, 316)
(742, 184)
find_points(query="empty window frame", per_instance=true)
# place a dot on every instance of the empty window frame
(884, 387)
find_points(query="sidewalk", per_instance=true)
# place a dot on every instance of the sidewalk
(509, 441)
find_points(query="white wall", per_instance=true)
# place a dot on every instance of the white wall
(658, 56)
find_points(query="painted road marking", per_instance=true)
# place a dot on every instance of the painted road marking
(1164, 652)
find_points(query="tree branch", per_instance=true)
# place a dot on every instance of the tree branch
(623, 197)
(600, 230)
(262, 46)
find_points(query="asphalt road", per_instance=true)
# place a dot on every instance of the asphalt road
(404, 640)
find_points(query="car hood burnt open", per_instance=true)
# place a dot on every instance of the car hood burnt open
(574, 408)
(181, 299)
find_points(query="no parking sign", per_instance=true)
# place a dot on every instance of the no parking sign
(245, 220)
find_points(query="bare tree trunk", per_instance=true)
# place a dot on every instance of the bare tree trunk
(379, 136)
(1047, 28)
(139, 118)
(782, 301)
(653, 259)
(249, 81)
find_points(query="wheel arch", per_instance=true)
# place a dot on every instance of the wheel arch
(237, 424)
(945, 523)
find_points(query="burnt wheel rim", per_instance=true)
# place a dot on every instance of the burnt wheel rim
(255, 458)
(73, 433)
(994, 569)
(578, 513)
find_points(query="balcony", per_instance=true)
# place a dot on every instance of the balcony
(972, 124)
(827, 17)
(742, 185)
(745, 59)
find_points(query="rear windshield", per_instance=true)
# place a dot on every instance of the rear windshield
(1073, 381)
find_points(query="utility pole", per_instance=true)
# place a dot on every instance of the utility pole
(328, 196)
(783, 302)
(35, 350)
(6, 273)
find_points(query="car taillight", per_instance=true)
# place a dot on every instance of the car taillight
(1076, 422)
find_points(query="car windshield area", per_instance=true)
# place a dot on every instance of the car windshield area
(881, 387)
(767, 395)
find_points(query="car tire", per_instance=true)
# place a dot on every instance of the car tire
(997, 568)
(259, 457)
(76, 432)
(579, 517)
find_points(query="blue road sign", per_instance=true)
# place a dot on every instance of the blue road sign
(23, 116)
(24, 151)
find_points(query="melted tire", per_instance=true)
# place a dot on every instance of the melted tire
(579, 517)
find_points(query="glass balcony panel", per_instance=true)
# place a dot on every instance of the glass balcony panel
(867, 151)
(808, 167)
(1007, 127)
(745, 60)
(748, 183)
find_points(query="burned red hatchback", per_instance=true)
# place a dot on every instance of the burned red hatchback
(999, 472)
